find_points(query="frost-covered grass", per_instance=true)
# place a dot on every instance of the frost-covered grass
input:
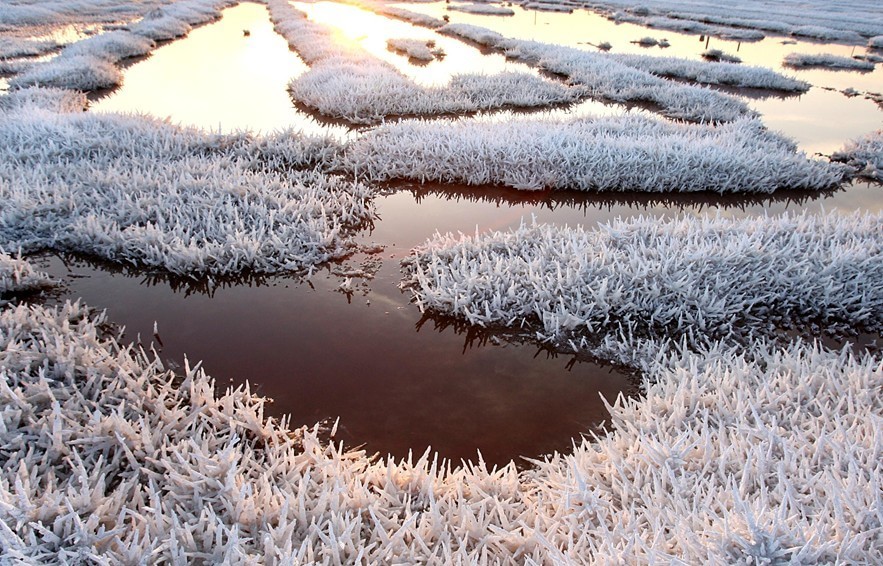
(632, 78)
(347, 82)
(848, 21)
(767, 456)
(133, 189)
(76, 72)
(726, 73)
(162, 24)
(672, 24)
(19, 276)
(866, 154)
(11, 47)
(876, 42)
(628, 153)
(548, 7)
(419, 49)
(691, 277)
(31, 100)
(827, 60)
(482, 9)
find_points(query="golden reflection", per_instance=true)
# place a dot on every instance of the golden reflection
(371, 32)
(219, 78)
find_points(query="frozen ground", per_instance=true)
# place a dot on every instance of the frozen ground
(627, 153)
(134, 189)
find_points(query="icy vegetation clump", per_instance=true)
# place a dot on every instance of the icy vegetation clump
(763, 457)
(625, 153)
(75, 72)
(631, 78)
(548, 7)
(482, 9)
(729, 74)
(673, 24)
(718, 55)
(711, 276)
(19, 276)
(419, 49)
(827, 60)
(112, 46)
(837, 20)
(876, 42)
(133, 189)
(29, 100)
(158, 25)
(347, 82)
(11, 47)
(866, 154)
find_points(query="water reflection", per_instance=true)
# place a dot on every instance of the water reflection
(219, 79)
(396, 386)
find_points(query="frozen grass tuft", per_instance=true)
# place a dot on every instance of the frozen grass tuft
(75, 72)
(630, 153)
(18, 276)
(718, 55)
(112, 46)
(866, 154)
(11, 47)
(159, 25)
(767, 456)
(419, 49)
(29, 100)
(691, 277)
(136, 190)
(348, 83)
(827, 60)
(876, 42)
(482, 9)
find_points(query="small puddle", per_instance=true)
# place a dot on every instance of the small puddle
(219, 79)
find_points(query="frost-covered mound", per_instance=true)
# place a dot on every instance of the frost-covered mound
(42, 99)
(876, 42)
(829, 20)
(772, 456)
(347, 82)
(714, 277)
(134, 189)
(17, 276)
(865, 153)
(827, 60)
(17, 47)
(633, 78)
(624, 153)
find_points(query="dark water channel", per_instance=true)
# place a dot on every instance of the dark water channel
(397, 380)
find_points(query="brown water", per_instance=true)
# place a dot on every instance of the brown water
(396, 380)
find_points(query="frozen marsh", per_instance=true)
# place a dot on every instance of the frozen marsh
(660, 341)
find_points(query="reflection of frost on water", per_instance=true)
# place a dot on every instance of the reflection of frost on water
(134, 189)
(630, 153)
(689, 471)
(827, 61)
(694, 277)
(344, 81)
(866, 154)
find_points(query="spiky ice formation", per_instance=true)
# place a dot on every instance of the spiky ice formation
(347, 82)
(19, 276)
(419, 49)
(134, 189)
(624, 153)
(768, 456)
(691, 277)
(866, 154)
(827, 60)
